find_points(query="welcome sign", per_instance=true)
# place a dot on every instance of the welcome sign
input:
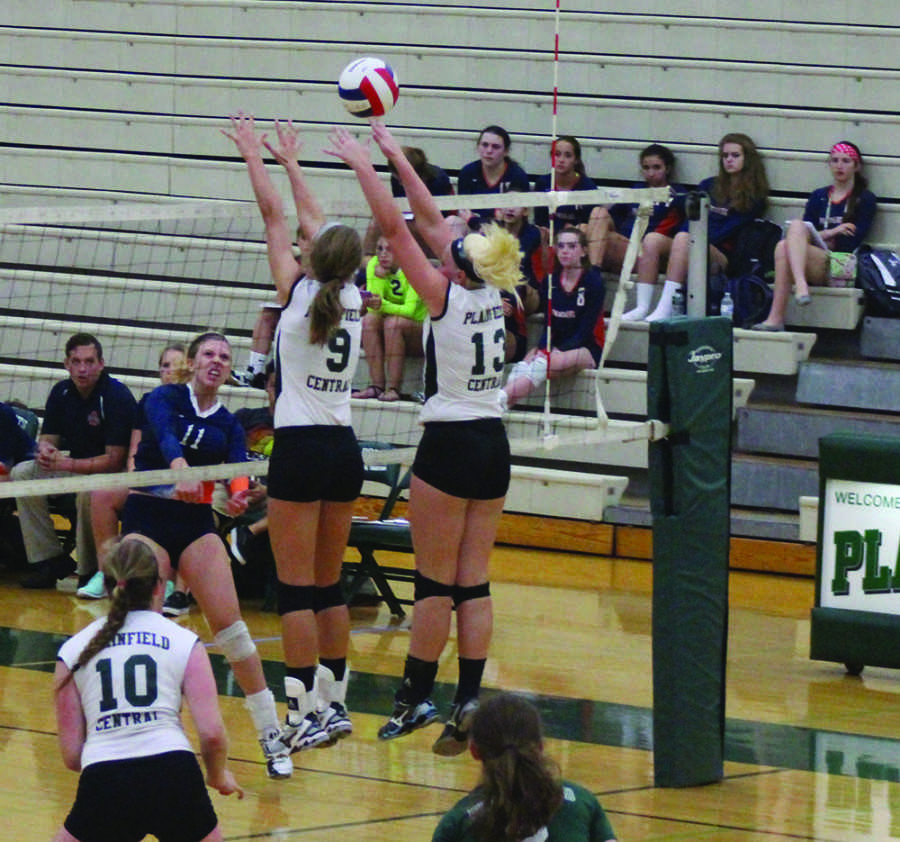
(860, 566)
(856, 618)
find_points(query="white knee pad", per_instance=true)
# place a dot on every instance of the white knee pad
(235, 642)
(535, 370)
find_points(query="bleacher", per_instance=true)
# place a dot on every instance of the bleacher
(122, 101)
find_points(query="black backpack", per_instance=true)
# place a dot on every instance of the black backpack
(752, 297)
(878, 274)
(754, 250)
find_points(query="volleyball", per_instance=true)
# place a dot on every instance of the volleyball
(368, 87)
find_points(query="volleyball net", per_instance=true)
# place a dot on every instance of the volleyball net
(141, 276)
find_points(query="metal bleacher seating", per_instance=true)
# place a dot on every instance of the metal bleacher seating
(132, 96)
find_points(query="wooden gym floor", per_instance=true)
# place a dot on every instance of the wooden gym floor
(811, 754)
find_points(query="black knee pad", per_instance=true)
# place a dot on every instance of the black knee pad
(461, 595)
(330, 596)
(425, 587)
(295, 598)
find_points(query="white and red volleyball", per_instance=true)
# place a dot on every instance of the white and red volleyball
(368, 87)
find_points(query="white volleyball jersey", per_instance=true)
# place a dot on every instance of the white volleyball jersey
(313, 382)
(131, 690)
(464, 356)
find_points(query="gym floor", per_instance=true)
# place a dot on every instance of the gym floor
(811, 753)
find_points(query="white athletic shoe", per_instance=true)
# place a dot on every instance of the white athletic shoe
(277, 754)
(331, 694)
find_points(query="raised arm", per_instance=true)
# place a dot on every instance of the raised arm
(425, 279)
(282, 264)
(309, 214)
(430, 222)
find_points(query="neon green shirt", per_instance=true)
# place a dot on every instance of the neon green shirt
(398, 298)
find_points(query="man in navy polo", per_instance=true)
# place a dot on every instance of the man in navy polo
(86, 430)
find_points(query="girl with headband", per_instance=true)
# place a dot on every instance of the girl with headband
(836, 220)
(462, 465)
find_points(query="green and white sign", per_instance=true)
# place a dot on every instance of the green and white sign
(860, 546)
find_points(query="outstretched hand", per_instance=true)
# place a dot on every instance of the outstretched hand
(386, 141)
(289, 143)
(346, 147)
(244, 134)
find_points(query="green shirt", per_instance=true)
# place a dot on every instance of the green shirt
(398, 298)
(580, 818)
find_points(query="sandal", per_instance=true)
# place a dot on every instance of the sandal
(389, 395)
(368, 393)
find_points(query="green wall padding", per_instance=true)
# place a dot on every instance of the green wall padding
(689, 386)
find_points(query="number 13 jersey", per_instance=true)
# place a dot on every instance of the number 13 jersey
(464, 356)
(313, 382)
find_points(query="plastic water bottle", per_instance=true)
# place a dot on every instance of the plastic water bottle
(726, 308)
(678, 303)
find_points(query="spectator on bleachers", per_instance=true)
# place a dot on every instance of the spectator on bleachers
(493, 172)
(15, 443)
(520, 795)
(436, 179)
(609, 229)
(87, 427)
(737, 195)
(577, 328)
(568, 174)
(106, 503)
(515, 220)
(392, 324)
(835, 222)
(525, 301)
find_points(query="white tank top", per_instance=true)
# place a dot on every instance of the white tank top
(464, 356)
(315, 380)
(131, 690)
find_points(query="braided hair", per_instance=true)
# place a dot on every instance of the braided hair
(520, 786)
(130, 573)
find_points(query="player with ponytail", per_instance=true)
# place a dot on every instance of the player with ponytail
(316, 467)
(120, 683)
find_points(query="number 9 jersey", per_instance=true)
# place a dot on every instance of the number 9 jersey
(313, 382)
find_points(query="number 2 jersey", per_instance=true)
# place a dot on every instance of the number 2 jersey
(131, 690)
(313, 382)
(464, 356)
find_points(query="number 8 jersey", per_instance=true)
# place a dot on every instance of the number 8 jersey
(313, 382)
(131, 690)
(464, 356)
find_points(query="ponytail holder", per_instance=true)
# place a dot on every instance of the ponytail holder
(121, 583)
(845, 149)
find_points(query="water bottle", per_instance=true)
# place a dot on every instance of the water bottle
(678, 303)
(726, 308)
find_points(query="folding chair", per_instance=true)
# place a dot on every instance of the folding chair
(381, 534)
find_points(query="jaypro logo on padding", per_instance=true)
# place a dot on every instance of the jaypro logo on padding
(704, 358)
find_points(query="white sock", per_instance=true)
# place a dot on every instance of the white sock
(664, 305)
(263, 711)
(644, 298)
(257, 363)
